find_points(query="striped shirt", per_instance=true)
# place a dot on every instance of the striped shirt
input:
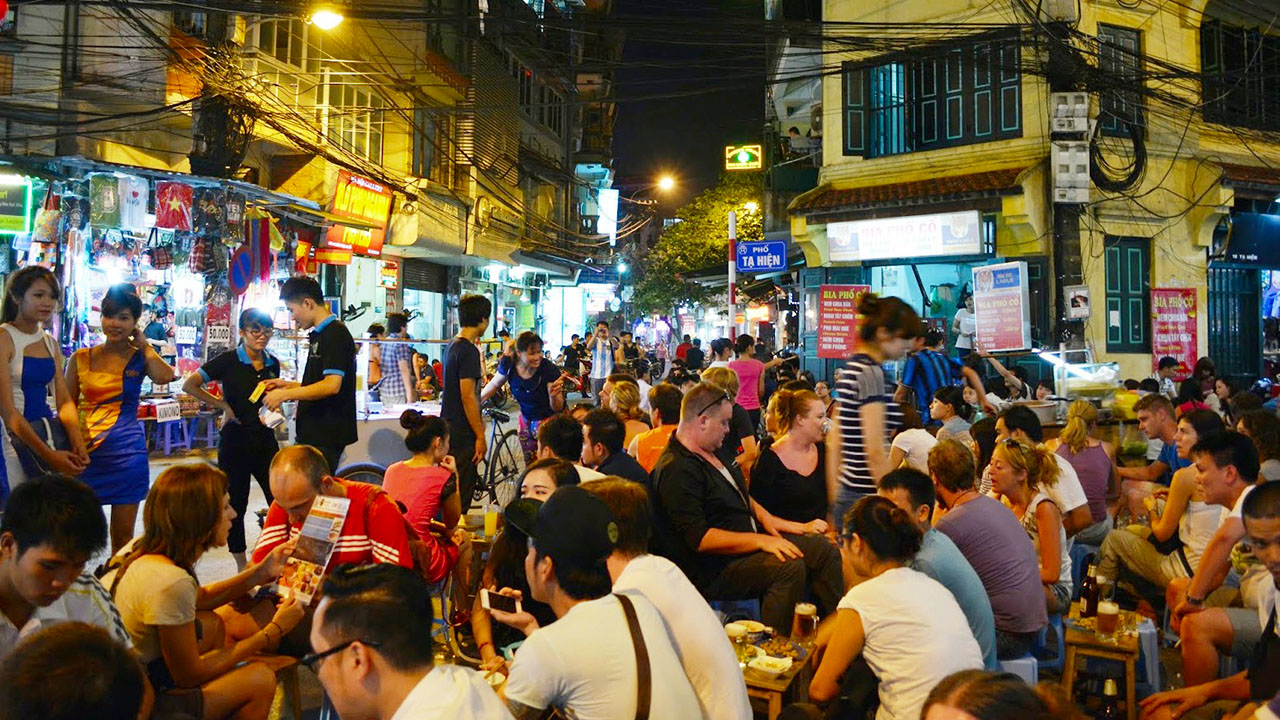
(925, 372)
(858, 384)
(85, 601)
(374, 531)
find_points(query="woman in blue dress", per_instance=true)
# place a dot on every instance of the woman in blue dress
(44, 442)
(536, 383)
(106, 381)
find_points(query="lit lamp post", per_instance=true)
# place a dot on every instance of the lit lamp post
(750, 206)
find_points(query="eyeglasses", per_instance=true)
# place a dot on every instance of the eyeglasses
(721, 398)
(313, 660)
(259, 331)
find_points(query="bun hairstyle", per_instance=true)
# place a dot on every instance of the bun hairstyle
(954, 396)
(743, 343)
(120, 298)
(890, 532)
(890, 313)
(423, 430)
(626, 398)
(1081, 418)
(19, 283)
(791, 404)
(1040, 465)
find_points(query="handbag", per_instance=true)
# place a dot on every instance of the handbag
(1264, 664)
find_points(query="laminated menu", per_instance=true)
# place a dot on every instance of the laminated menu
(304, 570)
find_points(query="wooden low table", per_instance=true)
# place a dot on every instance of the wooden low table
(790, 686)
(1121, 647)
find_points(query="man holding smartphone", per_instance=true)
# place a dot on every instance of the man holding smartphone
(602, 348)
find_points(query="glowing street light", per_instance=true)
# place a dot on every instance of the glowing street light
(622, 268)
(666, 183)
(326, 18)
(751, 206)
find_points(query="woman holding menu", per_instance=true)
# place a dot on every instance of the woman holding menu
(246, 445)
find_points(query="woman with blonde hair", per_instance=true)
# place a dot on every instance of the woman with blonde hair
(625, 402)
(1094, 461)
(1020, 472)
(789, 480)
(740, 444)
(169, 615)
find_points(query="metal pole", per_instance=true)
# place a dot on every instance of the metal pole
(733, 274)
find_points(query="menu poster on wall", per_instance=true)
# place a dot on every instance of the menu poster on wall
(838, 319)
(1173, 328)
(1002, 310)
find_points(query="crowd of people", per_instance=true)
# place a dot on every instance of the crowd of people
(926, 520)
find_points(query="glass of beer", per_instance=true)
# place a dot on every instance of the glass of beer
(804, 623)
(1108, 618)
(738, 636)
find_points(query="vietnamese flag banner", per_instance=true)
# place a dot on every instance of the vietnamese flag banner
(174, 201)
(1173, 328)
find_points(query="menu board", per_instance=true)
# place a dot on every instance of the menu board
(1002, 309)
(838, 319)
(1173, 327)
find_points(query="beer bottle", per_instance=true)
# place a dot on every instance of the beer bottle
(1110, 709)
(1089, 592)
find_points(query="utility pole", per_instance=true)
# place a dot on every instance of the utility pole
(733, 274)
(1068, 265)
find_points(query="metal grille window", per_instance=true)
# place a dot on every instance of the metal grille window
(1120, 60)
(1128, 294)
(354, 118)
(957, 96)
(1241, 70)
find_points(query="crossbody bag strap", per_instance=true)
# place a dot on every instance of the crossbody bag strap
(644, 679)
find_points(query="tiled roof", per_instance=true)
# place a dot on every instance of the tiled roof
(941, 188)
(1250, 175)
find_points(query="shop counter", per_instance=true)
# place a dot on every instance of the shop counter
(380, 438)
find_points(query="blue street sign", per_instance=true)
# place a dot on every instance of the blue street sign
(756, 257)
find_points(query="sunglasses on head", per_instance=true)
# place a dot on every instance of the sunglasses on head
(721, 398)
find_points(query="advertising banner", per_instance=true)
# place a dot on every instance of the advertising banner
(359, 198)
(1173, 327)
(1002, 310)
(916, 236)
(838, 319)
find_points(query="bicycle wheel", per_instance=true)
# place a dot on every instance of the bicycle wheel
(506, 466)
(371, 473)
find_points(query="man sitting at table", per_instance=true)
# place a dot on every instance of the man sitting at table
(1156, 420)
(708, 525)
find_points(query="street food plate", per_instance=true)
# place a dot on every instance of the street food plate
(770, 665)
(783, 648)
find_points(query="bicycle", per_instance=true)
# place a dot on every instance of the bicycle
(501, 469)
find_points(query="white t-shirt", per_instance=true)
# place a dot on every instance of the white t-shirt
(584, 663)
(916, 443)
(1067, 493)
(153, 592)
(452, 692)
(718, 363)
(1256, 579)
(644, 394)
(968, 328)
(915, 635)
(85, 601)
(586, 474)
(704, 649)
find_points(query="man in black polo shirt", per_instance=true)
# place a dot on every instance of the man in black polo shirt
(705, 522)
(326, 417)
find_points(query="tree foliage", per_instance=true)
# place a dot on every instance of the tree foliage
(698, 242)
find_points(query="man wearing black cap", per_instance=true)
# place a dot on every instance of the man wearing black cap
(705, 522)
(606, 656)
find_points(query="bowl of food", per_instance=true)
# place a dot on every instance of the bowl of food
(770, 665)
(755, 630)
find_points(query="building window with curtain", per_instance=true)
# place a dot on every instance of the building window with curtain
(960, 95)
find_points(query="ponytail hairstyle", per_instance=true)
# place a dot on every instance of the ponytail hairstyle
(423, 430)
(954, 396)
(791, 404)
(1040, 465)
(626, 400)
(887, 529)
(890, 313)
(19, 283)
(1082, 417)
(742, 344)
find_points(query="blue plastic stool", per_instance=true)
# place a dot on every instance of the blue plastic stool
(1054, 663)
(165, 435)
(749, 608)
(211, 436)
(1025, 667)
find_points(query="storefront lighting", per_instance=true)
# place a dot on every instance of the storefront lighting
(326, 18)
(494, 271)
(516, 273)
(622, 268)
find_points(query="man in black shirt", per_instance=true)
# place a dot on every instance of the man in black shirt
(705, 522)
(695, 357)
(326, 416)
(460, 397)
(603, 435)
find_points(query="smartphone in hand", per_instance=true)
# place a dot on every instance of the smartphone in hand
(493, 601)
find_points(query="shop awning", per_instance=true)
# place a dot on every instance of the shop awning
(1254, 239)
(329, 217)
(1263, 180)
(827, 200)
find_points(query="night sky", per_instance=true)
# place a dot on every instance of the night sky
(685, 136)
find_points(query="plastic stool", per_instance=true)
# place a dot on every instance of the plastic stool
(1149, 655)
(1055, 624)
(1025, 667)
(165, 434)
(211, 435)
(729, 608)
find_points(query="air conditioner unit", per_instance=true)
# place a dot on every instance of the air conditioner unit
(1062, 10)
(815, 118)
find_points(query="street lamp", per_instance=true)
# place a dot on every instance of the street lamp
(666, 183)
(325, 18)
(622, 268)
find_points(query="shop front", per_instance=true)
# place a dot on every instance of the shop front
(1244, 294)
